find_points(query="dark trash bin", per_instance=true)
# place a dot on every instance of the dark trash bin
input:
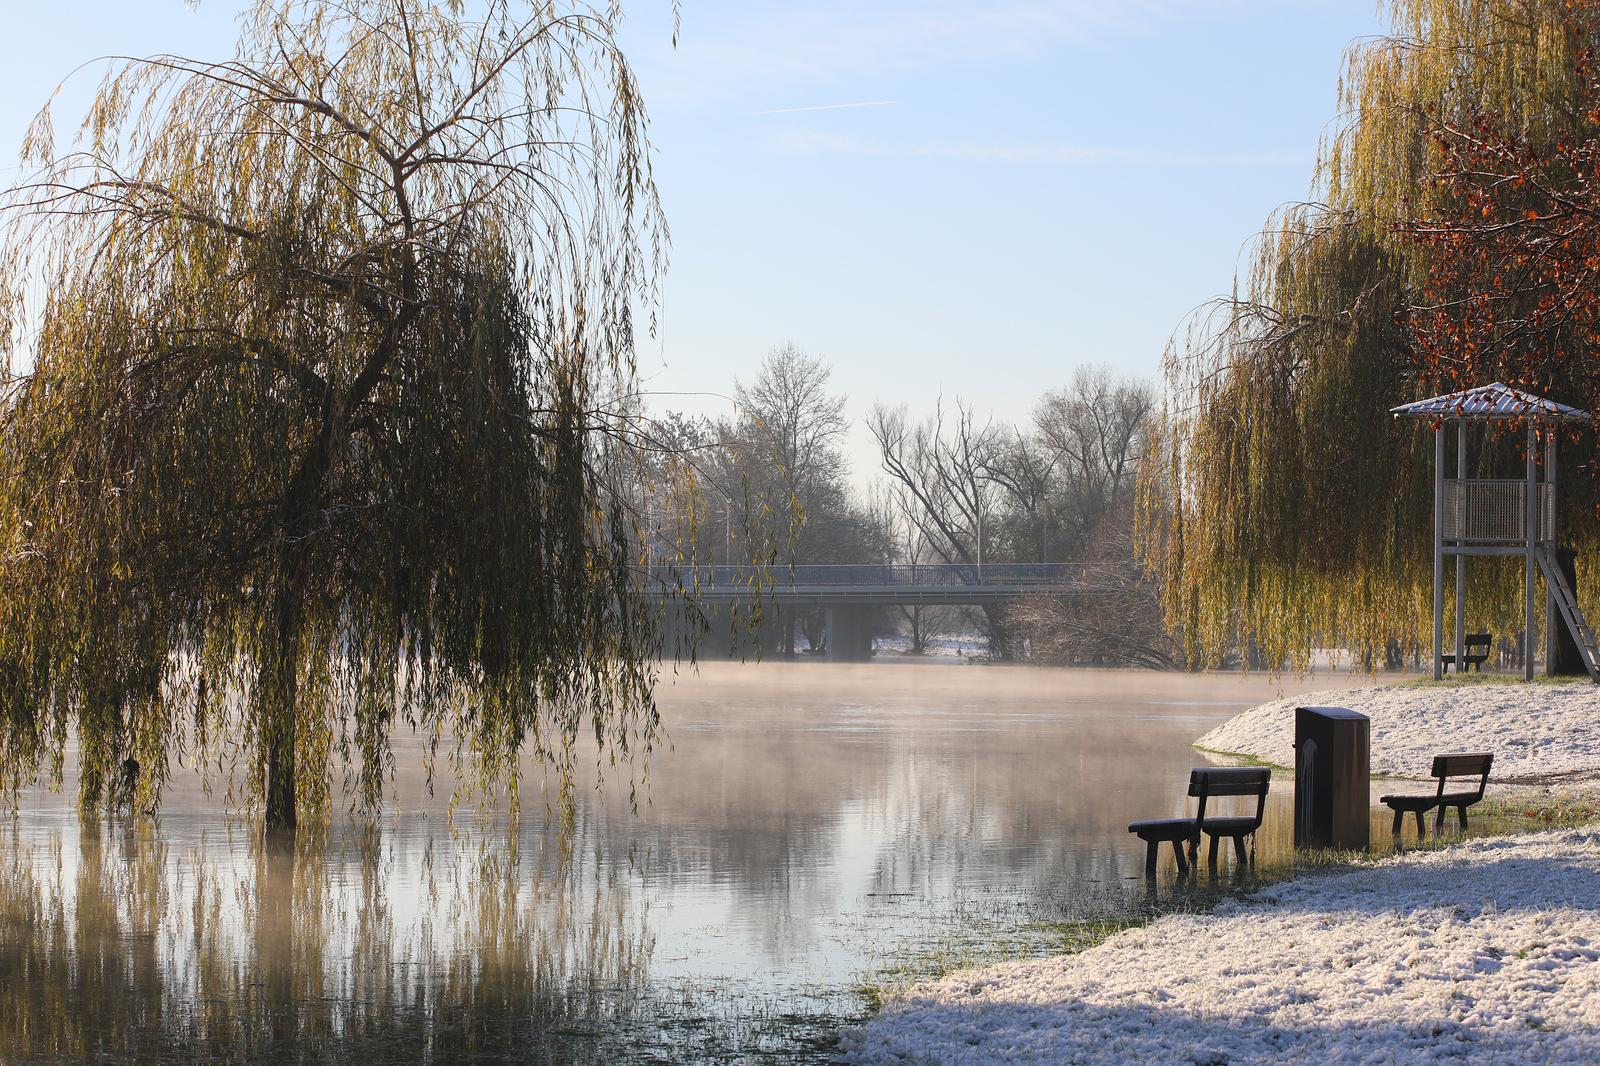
(1332, 771)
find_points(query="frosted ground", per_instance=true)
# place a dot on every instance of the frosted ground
(1486, 951)
(1483, 952)
(1539, 734)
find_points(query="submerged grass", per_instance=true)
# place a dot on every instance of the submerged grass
(713, 1021)
(985, 944)
(980, 935)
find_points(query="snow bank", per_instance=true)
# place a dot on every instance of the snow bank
(1538, 733)
(1488, 951)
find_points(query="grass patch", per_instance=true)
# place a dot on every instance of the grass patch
(1474, 679)
(1539, 810)
(1241, 758)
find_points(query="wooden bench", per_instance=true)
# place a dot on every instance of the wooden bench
(1204, 783)
(1475, 650)
(1445, 766)
(1157, 831)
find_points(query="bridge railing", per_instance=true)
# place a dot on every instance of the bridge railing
(875, 575)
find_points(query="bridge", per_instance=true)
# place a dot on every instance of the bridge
(848, 593)
(870, 584)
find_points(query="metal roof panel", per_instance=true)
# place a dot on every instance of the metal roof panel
(1496, 400)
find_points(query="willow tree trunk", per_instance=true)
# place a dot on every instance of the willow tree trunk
(302, 510)
(276, 704)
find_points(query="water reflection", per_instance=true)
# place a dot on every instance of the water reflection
(114, 944)
(807, 823)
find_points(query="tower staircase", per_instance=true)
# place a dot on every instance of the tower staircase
(1556, 581)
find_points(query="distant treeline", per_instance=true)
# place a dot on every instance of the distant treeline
(770, 484)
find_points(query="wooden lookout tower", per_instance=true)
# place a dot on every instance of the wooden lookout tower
(1501, 516)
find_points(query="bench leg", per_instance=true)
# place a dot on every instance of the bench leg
(1438, 821)
(1461, 816)
(1177, 853)
(1211, 856)
(1422, 830)
(1238, 852)
(1151, 847)
(1399, 820)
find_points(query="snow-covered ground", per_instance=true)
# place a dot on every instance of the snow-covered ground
(1538, 733)
(1483, 952)
(1486, 951)
(961, 645)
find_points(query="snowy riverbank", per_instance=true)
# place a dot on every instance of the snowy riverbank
(1488, 951)
(1543, 733)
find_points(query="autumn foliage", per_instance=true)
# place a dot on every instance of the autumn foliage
(1512, 246)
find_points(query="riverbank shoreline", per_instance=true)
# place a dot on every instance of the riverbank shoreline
(1488, 947)
(1544, 734)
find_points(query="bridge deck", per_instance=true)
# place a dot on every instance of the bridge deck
(817, 584)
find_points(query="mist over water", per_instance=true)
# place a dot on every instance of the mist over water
(804, 826)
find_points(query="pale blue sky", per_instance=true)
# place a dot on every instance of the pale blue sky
(1039, 184)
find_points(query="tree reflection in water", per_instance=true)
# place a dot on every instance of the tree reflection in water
(808, 829)
(116, 945)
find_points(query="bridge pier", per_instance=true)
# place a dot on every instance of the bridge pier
(849, 634)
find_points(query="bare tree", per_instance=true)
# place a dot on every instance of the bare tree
(943, 468)
(790, 423)
(895, 511)
(944, 471)
(1026, 471)
(1057, 491)
(1110, 612)
(1094, 430)
(778, 461)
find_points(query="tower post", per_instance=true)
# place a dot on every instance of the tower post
(1438, 548)
(1458, 517)
(1552, 620)
(1531, 516)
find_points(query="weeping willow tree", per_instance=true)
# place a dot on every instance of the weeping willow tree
(307, 432)
(1282, 508)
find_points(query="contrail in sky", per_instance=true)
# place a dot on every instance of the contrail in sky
(828, 107)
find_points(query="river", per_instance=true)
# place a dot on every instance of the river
(805, 832)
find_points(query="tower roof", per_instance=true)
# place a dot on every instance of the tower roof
(1492, 401)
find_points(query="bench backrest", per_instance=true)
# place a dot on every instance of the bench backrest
(1478, 640)
(1208, 781)
(1463, 764)
(1229, 780)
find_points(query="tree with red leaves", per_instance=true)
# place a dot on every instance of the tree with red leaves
(1512, 247)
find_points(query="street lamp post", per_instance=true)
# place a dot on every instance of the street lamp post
(980, 543)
